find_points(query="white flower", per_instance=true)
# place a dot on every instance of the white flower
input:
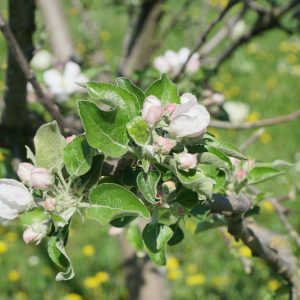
(152, 110)
(14, 199)
(237, 111)
(172, 62)
(63, 84)
(24, 171)
(163, 145)
(189, 119)
(239, 29)
(40, 178)
(42, 60)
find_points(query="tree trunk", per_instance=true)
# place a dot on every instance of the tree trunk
(14, 118)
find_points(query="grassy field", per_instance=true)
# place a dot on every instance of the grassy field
(264, 74)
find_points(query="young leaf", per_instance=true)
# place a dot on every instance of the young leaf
(78, 156)
(105, 131)
(134, 237)
(139, 131)
(49, 145)
(227, 149)
(147, 184)
(110, 200)
(126, 84)
(115, 97)
(260, 174)
(57, 253)
(155, 238)
(177, 236)
(213, 160)
(164, 89)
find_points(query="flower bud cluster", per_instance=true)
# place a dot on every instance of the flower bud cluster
(35, 233)
(38, 178)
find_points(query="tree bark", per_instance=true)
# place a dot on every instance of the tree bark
(57, 28)
(14, 118)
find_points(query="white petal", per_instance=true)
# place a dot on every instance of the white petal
(161, 64)
(183, 54)
(172, 58)
(72, 70)
(52, 78)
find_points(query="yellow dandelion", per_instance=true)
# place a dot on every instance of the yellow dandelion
(254, 116)
(271, 83)
(11, 236)
(190, 225)
(197, 279)
(172, 263)
(21, 296)
(88, 250)
(73, 296)
(102, 277)
(267, 206)
(292, 59)
(104, 36)
(265, 138)
(220, 280)
(191, 269)
(245, 251)
(3, 247)
(13, 276)
(174, 274)
(273, 285)
(91, 282)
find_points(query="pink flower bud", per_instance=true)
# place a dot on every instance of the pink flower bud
(169, 108)
(163, 145)
(35, 233)
(187, 161)
(152, 110)
(50, 204)
(40, 178)
(240, 174)
(70, 138)
(169, 186)
(24, 171)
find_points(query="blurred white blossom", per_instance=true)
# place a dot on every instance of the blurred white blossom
(42, 60)
(63, 84)
(237, 111)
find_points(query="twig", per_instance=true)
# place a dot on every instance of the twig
(30, 76)
(204, 36)
(251, 139)
(260, 123)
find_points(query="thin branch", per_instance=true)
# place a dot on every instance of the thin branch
(260, 123)
(30, 76)
(251, 139)
(205, 34)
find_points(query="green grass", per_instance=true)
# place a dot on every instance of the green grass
(250, 76)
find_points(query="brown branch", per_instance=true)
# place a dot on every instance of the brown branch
(205, 34)
(19, 56)
(260, 123)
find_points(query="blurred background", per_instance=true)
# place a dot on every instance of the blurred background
(259, 79)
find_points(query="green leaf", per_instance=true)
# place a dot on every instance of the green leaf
(221, 155)
(134, 237)
(213, 160)
(115, 97)
(177, 236)
(57, 253)
(121, 221)
(260, 174)
(217, 175)
(197, 182)
(155, 238)
(164, 89)
(105, 131)
(126, 84)
(110, 200)
(227, 149)
(147, 184)
(210, 224)
(78, 156)
(49, 145)
(139, 131)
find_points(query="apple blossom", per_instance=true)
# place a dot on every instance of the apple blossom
(50, 204)
(169, 186)
(188, 97)
(41, 178)
(70, 138)
(152, 110)
(24, 171)
(239, 29)
(63, 84)
(35, 233)
(189, 120)
(187, 161)
(161, 64)
(163, 145)
(14, 199)
(237, 111)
